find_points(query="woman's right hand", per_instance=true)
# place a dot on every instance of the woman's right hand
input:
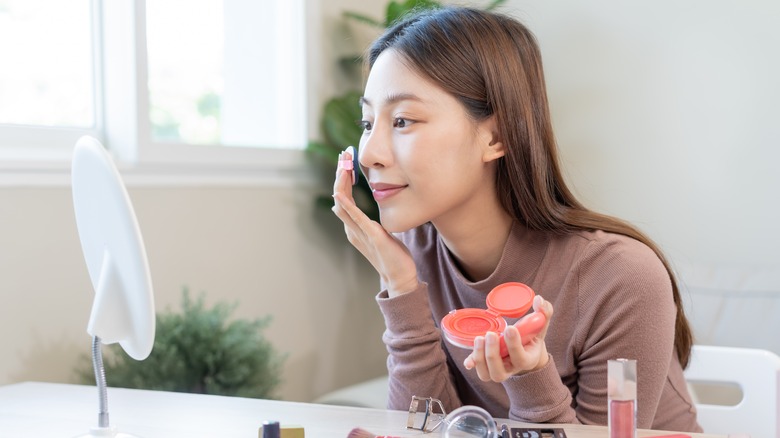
(387, 255)
(523, 356)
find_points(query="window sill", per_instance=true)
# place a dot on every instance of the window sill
(294, 170)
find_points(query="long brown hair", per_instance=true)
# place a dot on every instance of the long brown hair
(492, 64)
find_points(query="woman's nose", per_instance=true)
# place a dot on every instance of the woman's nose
(375, 150)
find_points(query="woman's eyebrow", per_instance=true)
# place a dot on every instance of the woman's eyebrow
(392, 98)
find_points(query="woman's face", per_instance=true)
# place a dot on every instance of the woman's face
(424, 157)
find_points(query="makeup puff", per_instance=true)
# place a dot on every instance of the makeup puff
(350, 164)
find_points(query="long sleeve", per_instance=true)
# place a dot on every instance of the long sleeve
(551, 399)
(626, 300)
(416, 363)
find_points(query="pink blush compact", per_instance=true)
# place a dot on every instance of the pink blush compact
(462, 326)
(512, 300)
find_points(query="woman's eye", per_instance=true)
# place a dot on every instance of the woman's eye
(398, 122)
(365, 124)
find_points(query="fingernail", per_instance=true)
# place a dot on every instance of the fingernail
(509, 333)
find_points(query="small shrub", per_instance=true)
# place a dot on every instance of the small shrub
(197, 351)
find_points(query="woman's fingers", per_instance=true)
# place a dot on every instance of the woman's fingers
(514, 345)
(340, 209)
(478, 357)
(486, 358)
(342, 195)
(355, 214)
(343, 182)
(533, 354)
(497, 368)
(520, 359)
(544, 306)
(361, 230)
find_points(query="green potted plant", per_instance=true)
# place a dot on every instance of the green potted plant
(341, 114)
(199, 351)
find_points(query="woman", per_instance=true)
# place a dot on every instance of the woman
(459, 151)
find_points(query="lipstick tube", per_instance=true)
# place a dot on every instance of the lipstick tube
(621, 395)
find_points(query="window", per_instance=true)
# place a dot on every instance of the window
(219, 74)
(31, 45)
(174, 82)
(48, 79)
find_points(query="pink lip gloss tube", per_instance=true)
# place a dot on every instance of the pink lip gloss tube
(621, 395)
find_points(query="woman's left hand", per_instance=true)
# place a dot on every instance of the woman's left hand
(486, 357)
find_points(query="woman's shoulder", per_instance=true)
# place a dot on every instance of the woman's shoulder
(609, 244)
(622, 259)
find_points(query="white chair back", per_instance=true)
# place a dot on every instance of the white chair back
(756, 372)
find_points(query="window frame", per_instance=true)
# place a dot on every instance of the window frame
(34, 155)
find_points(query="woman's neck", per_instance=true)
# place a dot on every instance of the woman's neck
(477, 242)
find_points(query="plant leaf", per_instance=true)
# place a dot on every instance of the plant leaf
(350, 65)
(324, 201)
(397, 10)
(200, 350)
(340, 120)
(494, 4)
(363, 19)
(326, 151)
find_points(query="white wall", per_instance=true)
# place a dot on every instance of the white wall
(666, 114)
(266, 248)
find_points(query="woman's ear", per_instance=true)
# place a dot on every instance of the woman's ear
(493, 147)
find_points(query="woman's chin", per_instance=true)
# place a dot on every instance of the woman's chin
(394, 222)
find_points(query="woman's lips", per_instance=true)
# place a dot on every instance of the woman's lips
(382, 191)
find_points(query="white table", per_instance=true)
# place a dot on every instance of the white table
(34, 409)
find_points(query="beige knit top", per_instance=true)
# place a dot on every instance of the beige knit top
(612, 298)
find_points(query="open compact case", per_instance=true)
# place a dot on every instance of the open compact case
(510, 300)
